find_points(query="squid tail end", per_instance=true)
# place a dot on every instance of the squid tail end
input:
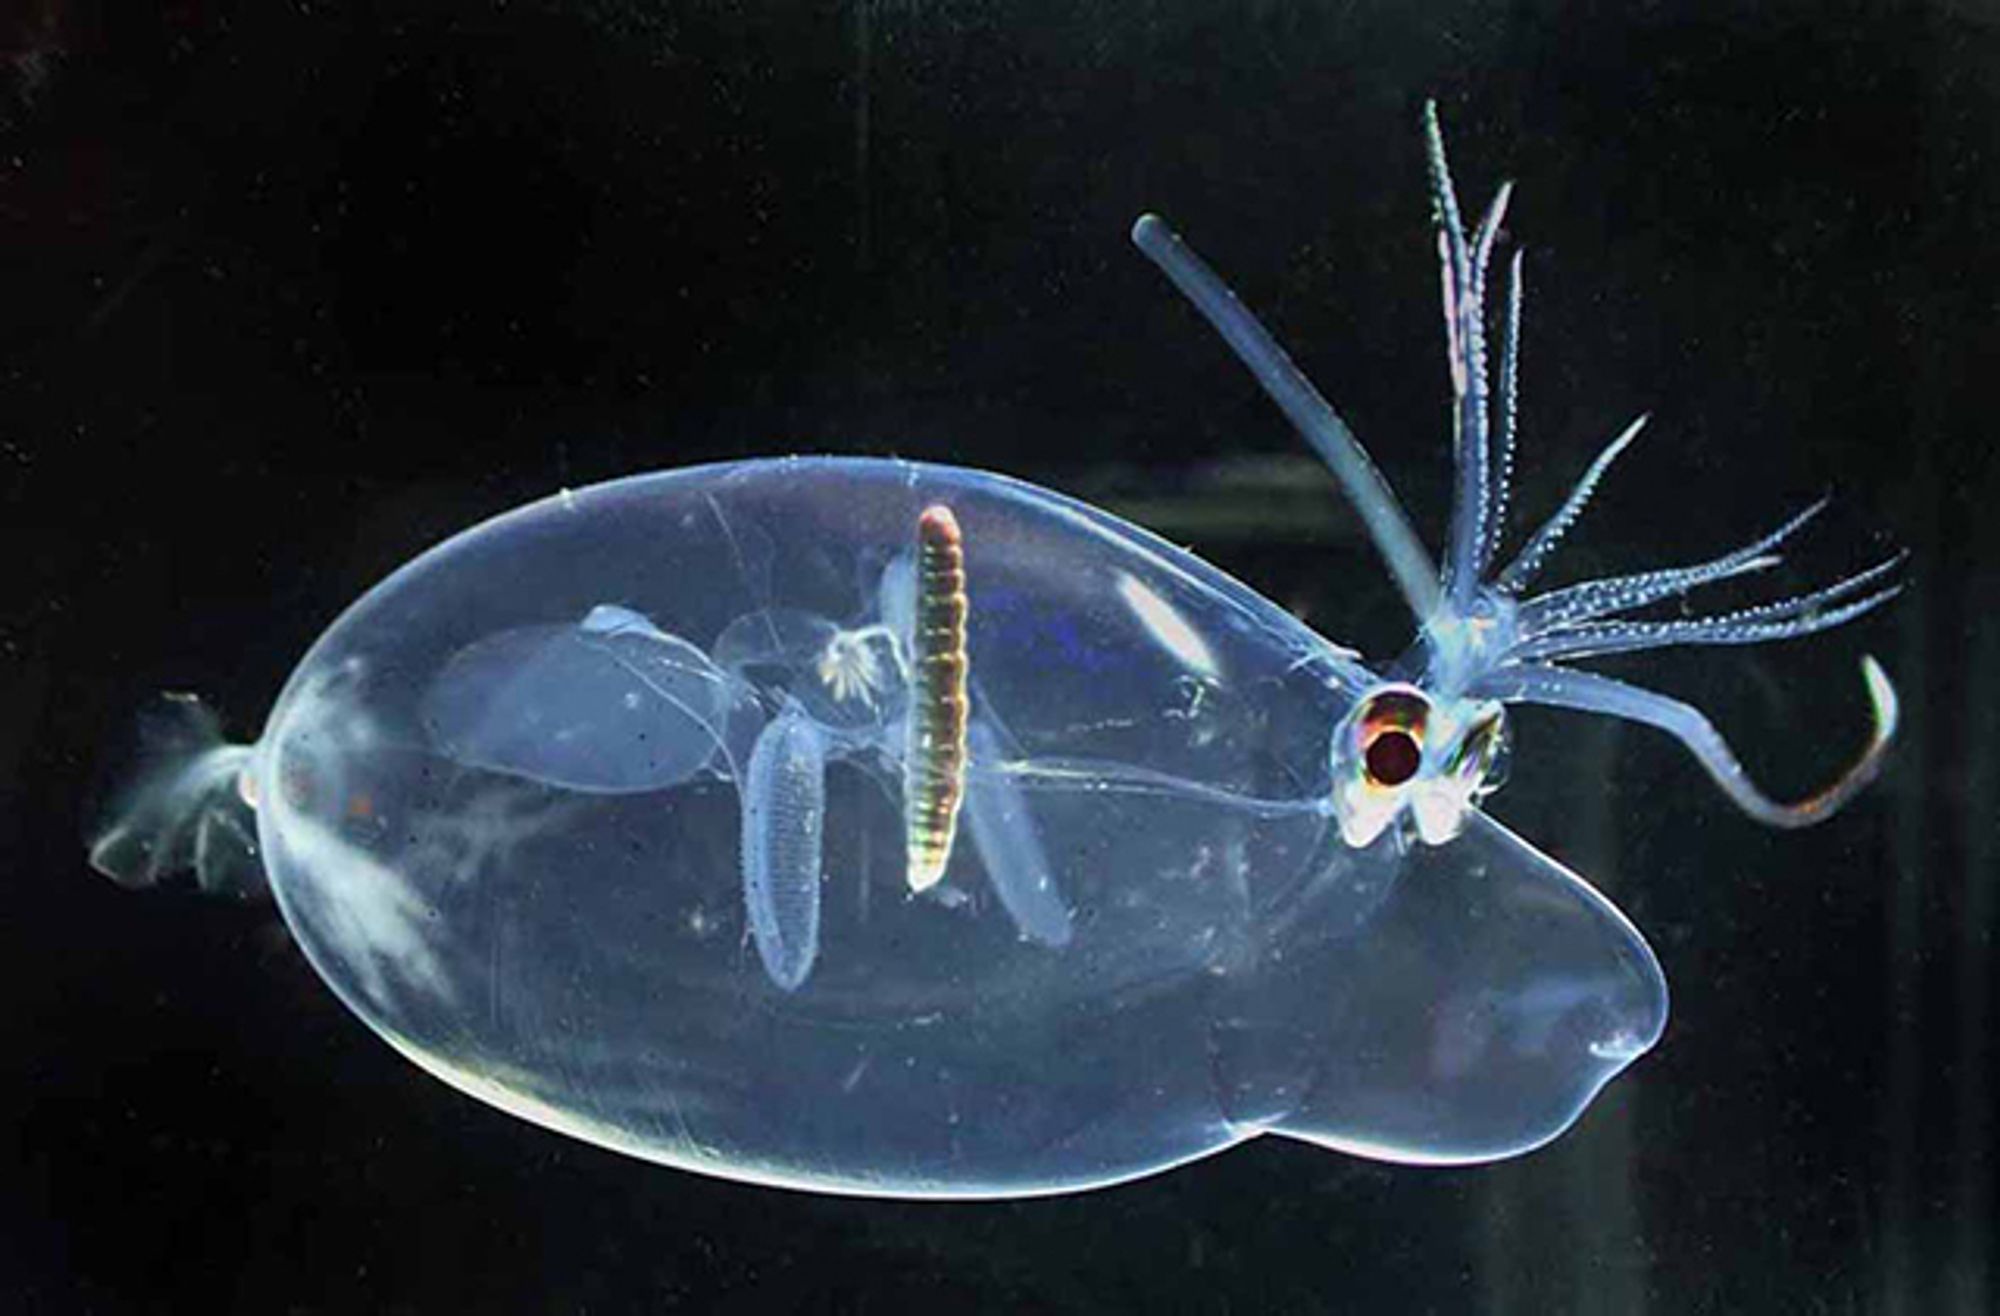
(183, 803)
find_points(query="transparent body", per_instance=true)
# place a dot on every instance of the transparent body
(1149, 942)
(905, 830)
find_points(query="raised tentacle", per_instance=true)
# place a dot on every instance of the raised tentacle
(1536, 551)
(1444, 198)
(1592, 692)
(1503, 443)
(1480, 493)
(1598, 598)
(1483, 239)
(1465, 343)
(1388, 525)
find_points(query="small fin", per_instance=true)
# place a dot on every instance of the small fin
(183, 806)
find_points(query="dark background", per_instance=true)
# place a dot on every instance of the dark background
(289, 291)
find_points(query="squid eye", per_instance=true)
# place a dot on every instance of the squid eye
(1377, 761)
(1392, 757)
(1390, 736)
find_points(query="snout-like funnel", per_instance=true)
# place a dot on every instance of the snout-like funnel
(1488, 1000)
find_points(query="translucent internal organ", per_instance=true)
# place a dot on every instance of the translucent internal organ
(934, 768)
(608, 704)
(784, 812)
(614, 704)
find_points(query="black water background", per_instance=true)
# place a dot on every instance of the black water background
(288, 292)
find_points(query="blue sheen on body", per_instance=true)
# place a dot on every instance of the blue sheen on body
(696, 944)
(707, 816)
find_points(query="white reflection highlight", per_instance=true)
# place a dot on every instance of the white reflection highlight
(1165, 624)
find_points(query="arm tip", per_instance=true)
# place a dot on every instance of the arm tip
(1883, 704)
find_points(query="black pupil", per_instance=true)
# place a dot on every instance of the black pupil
(1392, 758)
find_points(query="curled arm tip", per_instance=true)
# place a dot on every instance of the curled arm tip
(1886, 709)
(1884, 712)
(1593, 692)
